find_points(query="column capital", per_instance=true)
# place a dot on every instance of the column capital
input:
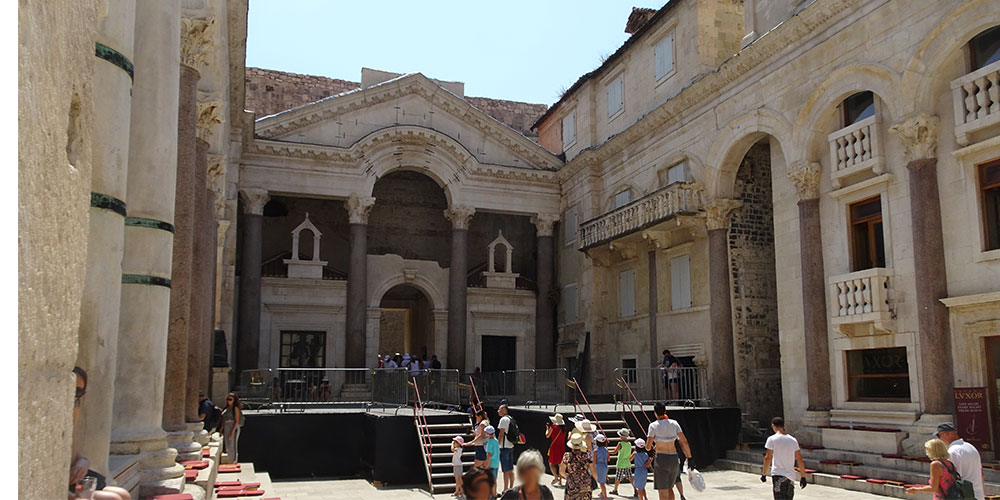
(208, 116)
(254, 200)
(717, 212)
(460, 215)
(358, 208)
(805, 176)
(544, 223)
(196, 40)
(919, 135)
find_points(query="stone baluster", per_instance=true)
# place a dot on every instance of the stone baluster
(545, 356)
(248, 340)
(717, 214)
(137, 418)
(460, 216)
(100, 305)
(358, 209)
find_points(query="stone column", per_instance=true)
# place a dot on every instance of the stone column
(545, 356)
(356, 336)
(99, 309)
(137, 419)
(248, 340)
(202, 288)
(722, 364)
(459, 215)
(919, 135)
(181, 277)
(806, 180)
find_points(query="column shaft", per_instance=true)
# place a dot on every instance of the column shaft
(724, 368)
(457, 300)
(544, 317)
(357, 302)
(201, 286)
(248, 343)
(931, 286)
(814, 306)
(654, 306)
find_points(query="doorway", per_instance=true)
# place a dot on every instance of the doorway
(993, 385)
(499, 353)
(406, 323)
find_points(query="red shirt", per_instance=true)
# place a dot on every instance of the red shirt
(557, 445)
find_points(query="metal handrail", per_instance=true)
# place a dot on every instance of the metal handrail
(654, 384)
(423, 433)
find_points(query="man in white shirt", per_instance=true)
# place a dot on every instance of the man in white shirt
(506, 448)
(782, 453)
(965, 457)
(662, 438)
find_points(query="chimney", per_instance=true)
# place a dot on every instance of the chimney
(638, 18)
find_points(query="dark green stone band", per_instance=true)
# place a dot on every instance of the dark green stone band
(106, 202)
(150, 223)
(116, 58)
(141, 279)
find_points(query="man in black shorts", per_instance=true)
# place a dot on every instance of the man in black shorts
(662, 436)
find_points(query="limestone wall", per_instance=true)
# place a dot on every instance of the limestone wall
(55, 113)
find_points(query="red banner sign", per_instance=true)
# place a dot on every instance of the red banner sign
(972, 417)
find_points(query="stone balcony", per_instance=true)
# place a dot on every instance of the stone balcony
(860, 302)
(977, 101)
(666, 203)
(855, 149)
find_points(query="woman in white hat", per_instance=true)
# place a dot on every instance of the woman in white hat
(578, 467)
(555, 430)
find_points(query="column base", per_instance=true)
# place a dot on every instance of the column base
(809, 431)
(183, 441)
(157, 471)
(922, 430)
(200, 435)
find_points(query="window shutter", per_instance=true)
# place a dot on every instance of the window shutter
(626, 293)
(615, 95)
(680, 282)
(664, 54)
(676, 173)
(569, 128)
(623, 198)
(571, 226)
(569, 299)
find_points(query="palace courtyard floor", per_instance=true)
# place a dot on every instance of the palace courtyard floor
(722, 485)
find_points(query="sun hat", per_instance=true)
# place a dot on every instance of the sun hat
(557, 419)
(601, 438)
(577, 441)
(386, 358)
(585, 426)
(576, 418)
(640, 443)
(459, 439)
(623, 432)
(406, 357)
(490, 430)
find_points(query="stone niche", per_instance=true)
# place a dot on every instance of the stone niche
(500, 279)
(307, 269)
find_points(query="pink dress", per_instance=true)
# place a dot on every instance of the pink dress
(947, 479)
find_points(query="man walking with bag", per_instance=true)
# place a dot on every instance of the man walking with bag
(966, 457)
(782, 454)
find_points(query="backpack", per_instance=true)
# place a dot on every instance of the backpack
(512, 430)
(962, 488)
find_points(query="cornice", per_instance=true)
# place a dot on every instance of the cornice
(267, 147)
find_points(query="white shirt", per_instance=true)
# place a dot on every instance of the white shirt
(663, 430)
(505, 425)
(968, 464)
(414, 366)
(391, 364)
(783, 458)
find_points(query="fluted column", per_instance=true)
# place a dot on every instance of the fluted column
(146, 264)
(919, 135)
(723, 365)
(459, 215)
(248, 340)
(544, 307)
(806, 180)
(100, 303)
(358, 209)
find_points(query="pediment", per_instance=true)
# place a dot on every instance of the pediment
(343, 120)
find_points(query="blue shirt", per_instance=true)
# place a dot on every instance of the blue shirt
(640, 459)
(493, 446)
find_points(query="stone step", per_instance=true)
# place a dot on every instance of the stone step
(821, 478)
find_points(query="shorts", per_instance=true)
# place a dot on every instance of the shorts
(493, 472)
(782, 487)
(480, 452)
(680, 467)
(506, 459)
(665, 471)
(623, 475)
(457, 469)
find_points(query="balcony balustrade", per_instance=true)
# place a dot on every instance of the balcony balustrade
(676, 199)
(977, 101)
(861, 297)
(854, 149)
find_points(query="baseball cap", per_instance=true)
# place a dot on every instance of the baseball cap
(945, 427)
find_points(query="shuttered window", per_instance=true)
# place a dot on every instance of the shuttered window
(623, 198)
(615, 96)
(626, 293)
(569, 128)
(680, 282)
(677, 173)
(569, 303)
(664, 54)
(571, 226)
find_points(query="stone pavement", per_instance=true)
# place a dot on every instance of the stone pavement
(722, 484)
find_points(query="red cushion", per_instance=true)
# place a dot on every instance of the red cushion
(219, 484)
(206, 453)
(195, 464)
(190, 475)
(173, 496)
(239, 493)
(876, 481)
(852, 477)
(830, 462)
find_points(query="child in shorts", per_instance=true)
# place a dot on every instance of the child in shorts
(623, 464)
(457, 449)
(601, 463)
(640, 457)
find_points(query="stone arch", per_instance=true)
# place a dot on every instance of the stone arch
(735, 140)
(437, 299)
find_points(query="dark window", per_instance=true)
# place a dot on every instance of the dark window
(858, 107)
(878, 375)
(867, 243)
(303, 349)
(984, 48)
(629, 372)
(989, 188)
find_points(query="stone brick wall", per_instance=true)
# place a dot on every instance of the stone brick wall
(755, 295)
(269, 92)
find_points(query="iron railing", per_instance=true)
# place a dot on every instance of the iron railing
(522, 386)
(317, 386)
(677, 385)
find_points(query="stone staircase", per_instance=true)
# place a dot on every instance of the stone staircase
(874, 468)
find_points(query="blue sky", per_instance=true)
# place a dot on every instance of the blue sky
(518, 50)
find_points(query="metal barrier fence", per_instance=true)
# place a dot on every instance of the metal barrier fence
(522, 386)
(687, 383)
(264, 387)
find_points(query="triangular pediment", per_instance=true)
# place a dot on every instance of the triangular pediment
(341, 121)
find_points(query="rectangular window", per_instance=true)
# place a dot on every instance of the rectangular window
(664, 54)
(626, 293)
(623, 198)
(615, 101)
(984, 48)
(629, 372)
(303, 349)
(867, 243)
(680, 282)
(569, 128)
(569, 303)
(878, 375)
(858, 107)
(571, 226)
(989, 194)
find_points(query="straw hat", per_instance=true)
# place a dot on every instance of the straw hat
(640, 443)
(459, 439)
(585, 426)
(623, 432)
(577, 441)
(557, 419)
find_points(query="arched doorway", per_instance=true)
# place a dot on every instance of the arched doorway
(406, 324)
